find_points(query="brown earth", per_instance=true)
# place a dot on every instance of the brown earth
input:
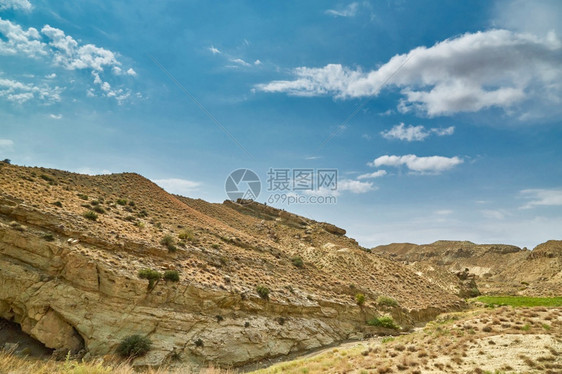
(71, 282)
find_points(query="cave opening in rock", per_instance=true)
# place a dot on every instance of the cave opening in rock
(12, 338)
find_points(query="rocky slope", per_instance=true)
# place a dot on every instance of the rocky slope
(496, 268)
(69, 277)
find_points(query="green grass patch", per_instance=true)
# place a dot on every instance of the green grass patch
(519, 301)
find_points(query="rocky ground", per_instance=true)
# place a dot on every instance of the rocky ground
(501, 340)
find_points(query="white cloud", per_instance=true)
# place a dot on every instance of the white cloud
(239, 61)
(444, 212)
(443, 131)
(70, 55)
(257, 62)
(408, 133)
(348, 11)
(424, 165)
(16, 40)
(355, 186)
(468, 73)
(376, 174)
(214, 50)
(59, 49)
(16, 5)
(6, 144)
(178, 186)
(19, 93)
(542, 197)
(55, 116)
(414, 133)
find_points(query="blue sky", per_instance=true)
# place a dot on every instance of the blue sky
(443, 118)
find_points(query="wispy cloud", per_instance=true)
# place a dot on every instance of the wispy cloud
(16, 5)
(240, 62)
(422, 165)
(475, 71)
(376, 174)
(55, 116)
(6, 144)
(178, 186)
(214, 50)
(493, 214)
(542, 197)
(348, 11)
(415, 133)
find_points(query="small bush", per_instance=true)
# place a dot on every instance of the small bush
(263, 292)
(152, 275)
(131, 203)
(385, 321)
(142, 214)
(49, 237)
(134, 346)
(360, 299)
(82, 196)
(99, 209)
(185, 235)
(58, 203)
(199, 342)
(172, 275)
(215, 246)
(169, 242)
(91, 215)
(46, 178)
(297, 261)
(122, 201)
(386, 301)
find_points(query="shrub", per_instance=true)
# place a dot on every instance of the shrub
(152, 275)
(172, 275)
(122, 201)
(142, 214)
(49, 237)
(385, 321)
(169, 242)
(58, 203)
(99, 209)
(185, 235)
(360, 299)
(46, 178)
(131, 203)
(386, 301)
(82, 196)
(134, 346)
(91, 215)
(297, 261)
(263, 292)
(199, 342)
(215, 246)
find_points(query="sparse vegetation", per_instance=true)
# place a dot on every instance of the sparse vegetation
(387, 301)
(91, 215)
(48, 237)
(384, 321)
(263, 292)
(186, 235)
(172, 275)
(360, 299)
(58, 204)
(134, 346)
(153, 276)
(297, 261)
(122, 201)
(82, 196)
(169, 242)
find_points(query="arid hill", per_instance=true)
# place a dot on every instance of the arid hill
(497, 268)
(254, 282)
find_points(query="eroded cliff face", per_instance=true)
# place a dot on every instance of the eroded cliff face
(72, 283)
